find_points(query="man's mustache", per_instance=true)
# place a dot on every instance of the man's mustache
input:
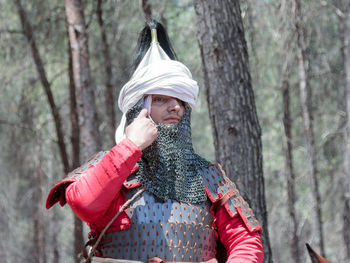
(172, 115)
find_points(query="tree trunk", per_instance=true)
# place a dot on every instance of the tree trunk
(147, 9)
(289, 169)
(75, 139)
(162, 12)
(236, 130)
(85, 107)
(55, 244)
(39, 222)
(252, 32)
(28, 32)
(74, 116)
(109, 94)
(305, 97)
(87, 112)
(346, 214)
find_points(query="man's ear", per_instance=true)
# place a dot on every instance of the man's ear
(148, 104)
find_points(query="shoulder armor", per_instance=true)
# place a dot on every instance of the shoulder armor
(132, 183)
(83, 168)
(57, 193)
(222, 191)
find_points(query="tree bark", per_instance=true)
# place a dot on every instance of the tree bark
(39, 222)
(346, 212)
(75, 140)
(109, 94)
(55, 244)
(289, 169)
(252, 32)
(85, 107)
(162, 12)
(74, 117)
(147, 9)
(28, 32)
(236, 130)
(305, 98)
(87, 111)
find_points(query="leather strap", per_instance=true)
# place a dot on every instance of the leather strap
(152, 260)
(94, 242)
(159, 260)
(223, 200)
(155, 260)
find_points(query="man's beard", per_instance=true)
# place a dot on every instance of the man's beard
(169, 167)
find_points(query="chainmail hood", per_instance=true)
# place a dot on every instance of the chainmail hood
(169, 167)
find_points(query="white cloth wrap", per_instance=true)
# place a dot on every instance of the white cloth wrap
(156, 74)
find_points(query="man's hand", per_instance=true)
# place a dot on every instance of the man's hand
(142, 131)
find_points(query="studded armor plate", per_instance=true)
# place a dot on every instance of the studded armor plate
(170, 230)
(219, 186)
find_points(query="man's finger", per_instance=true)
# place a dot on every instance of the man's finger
(143, 113)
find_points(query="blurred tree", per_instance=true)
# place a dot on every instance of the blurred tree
(109, 93)
(28, 32)
(87, 111)
(75, 142)
(236, 130)
(305, 98)
(346, 212)
(89, 135)
(285, 44)
(147, 9)
(39, 219)
(289, 169)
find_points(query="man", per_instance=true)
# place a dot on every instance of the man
(187, 201)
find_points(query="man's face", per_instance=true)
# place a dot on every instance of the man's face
(166, 109)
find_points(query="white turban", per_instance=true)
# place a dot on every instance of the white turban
(156, 74)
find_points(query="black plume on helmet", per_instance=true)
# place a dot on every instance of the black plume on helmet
(145, 40)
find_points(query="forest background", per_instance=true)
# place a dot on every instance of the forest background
(30, 160)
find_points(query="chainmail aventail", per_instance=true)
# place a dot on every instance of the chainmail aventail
(169, 167)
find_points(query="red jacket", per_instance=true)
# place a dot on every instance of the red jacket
(97, 195)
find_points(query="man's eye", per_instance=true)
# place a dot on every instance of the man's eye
(180, 102)
(158, 99)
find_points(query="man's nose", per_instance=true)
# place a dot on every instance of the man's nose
(173, 105)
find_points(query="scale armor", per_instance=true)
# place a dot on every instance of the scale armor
(177, 231)
(169, 230)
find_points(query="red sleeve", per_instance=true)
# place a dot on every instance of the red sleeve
(242, 246)
(92, 194)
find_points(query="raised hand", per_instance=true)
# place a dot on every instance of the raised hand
(142, 131)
